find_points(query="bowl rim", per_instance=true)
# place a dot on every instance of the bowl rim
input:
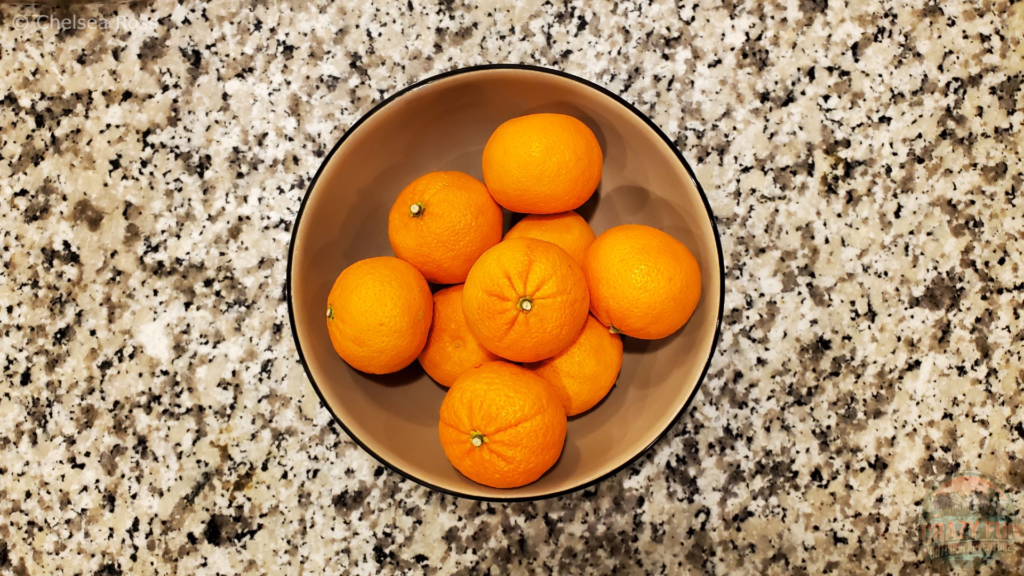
(600, 89)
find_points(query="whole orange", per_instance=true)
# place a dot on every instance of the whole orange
(643, 282)
(542, 163)
(568, 230)
(501, 426)
(441, 223)
(525, 299)
(583, 373)
(451, 348)
(378, 314)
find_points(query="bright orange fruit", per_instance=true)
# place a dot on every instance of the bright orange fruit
(501, 425)
(583, 373)
(567, 230)
(542, 163)
(378, 314)
(525, 299)
(451, 348)
(441, 223)
(643, 282)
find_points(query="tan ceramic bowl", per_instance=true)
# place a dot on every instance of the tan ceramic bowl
(442, 124)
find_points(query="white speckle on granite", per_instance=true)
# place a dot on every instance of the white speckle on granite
(154, 340)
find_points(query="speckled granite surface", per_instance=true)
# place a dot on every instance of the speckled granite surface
(864, 162)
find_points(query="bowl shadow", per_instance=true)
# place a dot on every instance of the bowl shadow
(587, 209)
(404, 377)
(600, 403)
(636, 205)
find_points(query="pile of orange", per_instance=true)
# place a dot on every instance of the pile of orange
(527, 332)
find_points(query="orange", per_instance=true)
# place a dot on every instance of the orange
(643, 282)
(501, 426)
(451, 348)
(378, 314)
(542, 163)
(525, 299)
(567, 230)
(441, 223)
(583, 373)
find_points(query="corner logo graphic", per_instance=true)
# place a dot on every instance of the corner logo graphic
(968, 520)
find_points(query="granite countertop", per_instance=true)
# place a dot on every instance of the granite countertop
(864, 163)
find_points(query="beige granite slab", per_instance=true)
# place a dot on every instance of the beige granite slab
(864, 162)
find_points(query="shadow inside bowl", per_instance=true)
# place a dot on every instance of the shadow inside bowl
(404, 377)
(512, 218)
(600, 403)
(588, 208)
(637, 205)
(637, 366)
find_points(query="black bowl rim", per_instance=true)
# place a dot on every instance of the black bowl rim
(599, 89)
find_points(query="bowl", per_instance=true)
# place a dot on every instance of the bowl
(442, 123)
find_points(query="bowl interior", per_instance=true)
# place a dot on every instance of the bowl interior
(443, 125)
